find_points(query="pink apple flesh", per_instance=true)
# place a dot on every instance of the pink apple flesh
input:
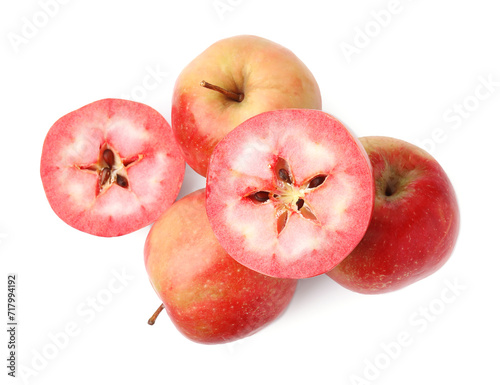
(209, 296)
(415, 220)
(290, 193)
(111, 167)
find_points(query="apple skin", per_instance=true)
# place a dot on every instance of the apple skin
(415, 221)
(269, 75)
(209, 296)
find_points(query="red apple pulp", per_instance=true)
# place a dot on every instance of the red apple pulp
(111, 167)
(415, 220)
(252, 75)
(290, 193)
(209, 296)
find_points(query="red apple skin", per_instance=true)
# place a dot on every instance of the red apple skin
(209, 296)
(269, 75)
(413, 231)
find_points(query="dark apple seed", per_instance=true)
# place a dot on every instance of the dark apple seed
(108, 157)
(316, 181)
(121, 181)
(284, 176)
(261, 196)
(300, 203)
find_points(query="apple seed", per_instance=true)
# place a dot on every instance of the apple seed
(108, 157)
(121, 181)
(316, 181)
(284, 176)
(261, 196)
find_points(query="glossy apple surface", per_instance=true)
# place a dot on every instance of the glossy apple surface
(266, 75)
(290, 192)
(209, 296)
(415, 220)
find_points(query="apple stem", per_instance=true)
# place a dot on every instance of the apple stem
(153, 318)
(237, 97)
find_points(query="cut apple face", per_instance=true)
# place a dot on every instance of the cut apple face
(111, 167)
(290, 193)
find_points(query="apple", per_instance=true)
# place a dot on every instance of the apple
(232, 80)
(415, 220)
(290, 192)
(209, 296)
(111, 167)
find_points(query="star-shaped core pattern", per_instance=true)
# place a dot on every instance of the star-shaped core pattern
(110, 168)
(288, 198)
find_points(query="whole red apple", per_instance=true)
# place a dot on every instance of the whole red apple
(209, 296)
(231, 81)
(415, 221)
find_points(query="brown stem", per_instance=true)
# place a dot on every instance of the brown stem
(153, 318)
(237, 97)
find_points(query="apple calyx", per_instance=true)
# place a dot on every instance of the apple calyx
(153, 318)
(110, 168)
(236, 96)
(391, 187)
(394, 182)
(288, 198)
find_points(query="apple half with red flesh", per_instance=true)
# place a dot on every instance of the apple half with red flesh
(415, 220)
(290, 192)
(209, 296)
(232, 80)
(111, 167)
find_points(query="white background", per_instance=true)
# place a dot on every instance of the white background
(428, 58)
